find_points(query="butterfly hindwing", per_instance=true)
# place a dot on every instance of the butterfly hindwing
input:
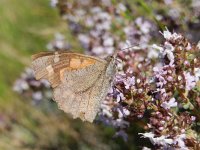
(84, 103)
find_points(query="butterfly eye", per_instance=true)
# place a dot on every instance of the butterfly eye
(109, 58)
(112, 57)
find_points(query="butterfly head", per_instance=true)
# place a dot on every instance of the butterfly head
(111, 66)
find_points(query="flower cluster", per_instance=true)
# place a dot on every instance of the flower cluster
(96, 26)
(28, 86)
(59, 43)
(163, 88)
(172, 119)
(183, 15)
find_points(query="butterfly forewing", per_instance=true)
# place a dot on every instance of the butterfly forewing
(52, 65)
(80, 82)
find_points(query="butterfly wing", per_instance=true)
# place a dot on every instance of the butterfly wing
(52, 65)
(84, 103)
(80, 82)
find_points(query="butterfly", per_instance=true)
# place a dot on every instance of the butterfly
(80, 82)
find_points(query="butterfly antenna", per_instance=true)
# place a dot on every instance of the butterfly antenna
(131, 48)
(127, 48)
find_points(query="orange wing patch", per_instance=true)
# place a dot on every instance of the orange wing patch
(74, 63)
(78, 63)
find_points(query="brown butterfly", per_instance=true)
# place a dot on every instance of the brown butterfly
(80, 82)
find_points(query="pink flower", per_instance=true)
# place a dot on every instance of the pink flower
(169, 36)
(129, 82)
(162, 140)
(120, 97)
(169, 52)
(190, 81)
(171, 103)
(180, 141)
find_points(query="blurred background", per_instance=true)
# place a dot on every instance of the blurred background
(28, 27)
